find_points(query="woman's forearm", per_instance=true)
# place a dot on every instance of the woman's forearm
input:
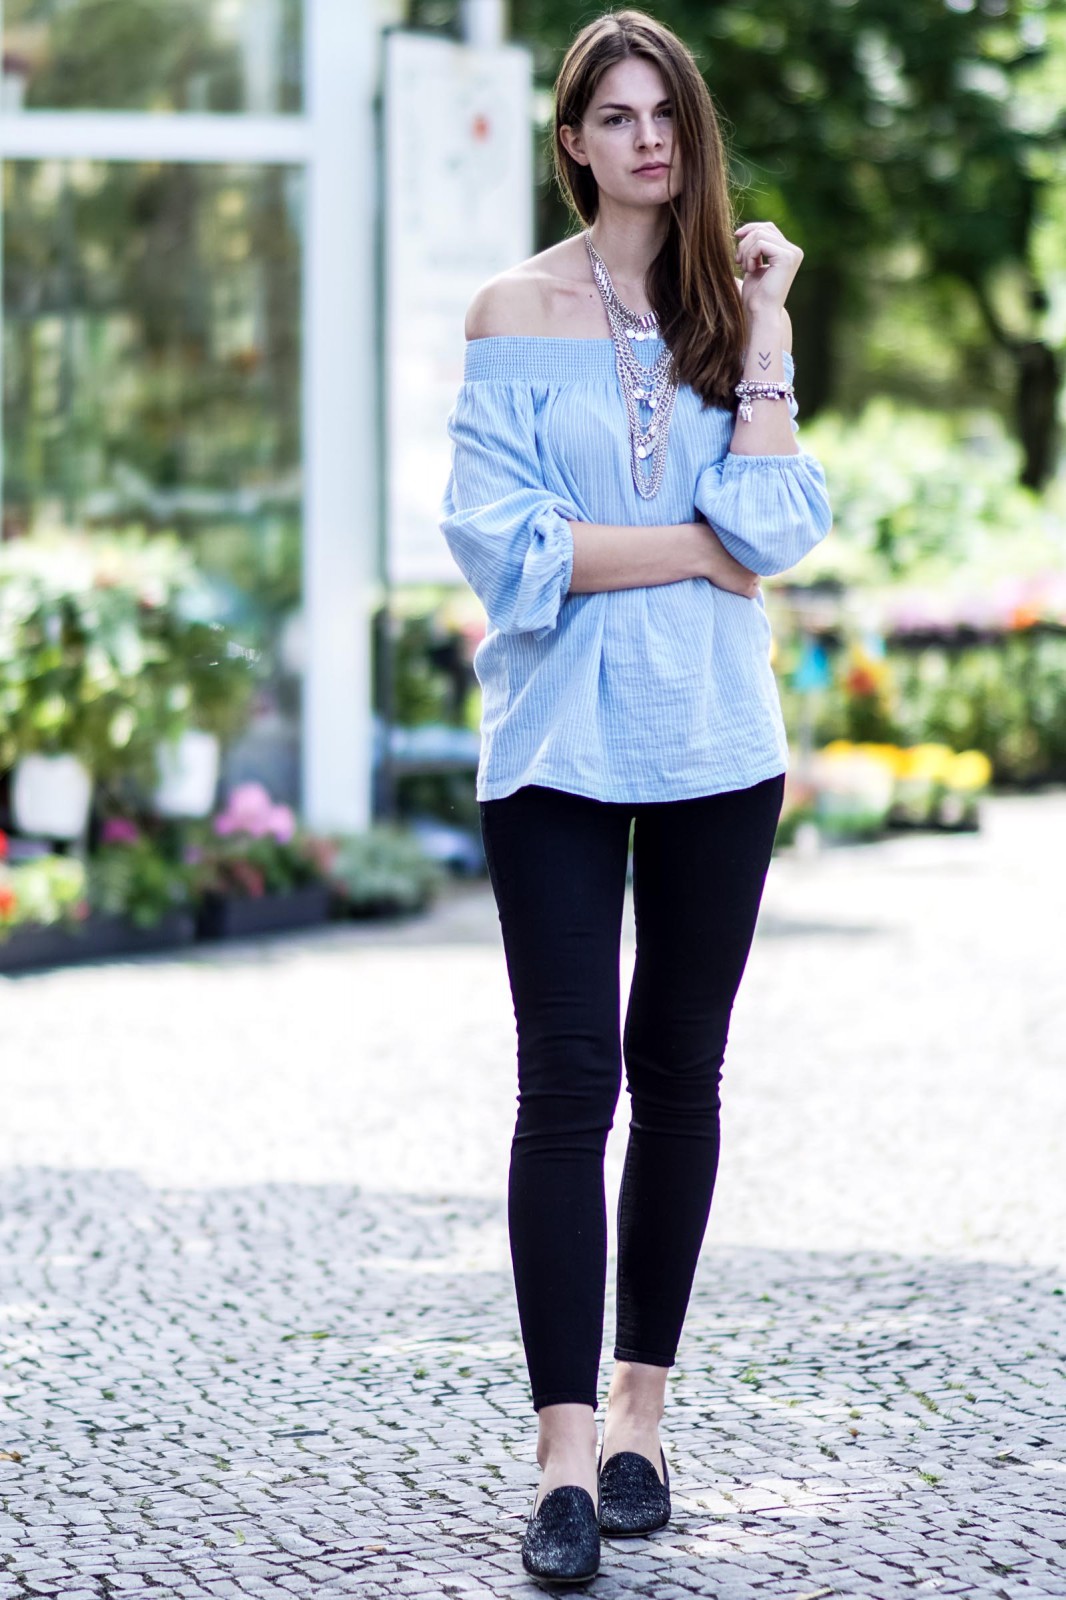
(769, 433)
(616, 557)
(612, 557)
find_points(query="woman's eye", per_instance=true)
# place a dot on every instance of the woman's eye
(620, 116)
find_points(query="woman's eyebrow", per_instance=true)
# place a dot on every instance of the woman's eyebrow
(610, 105)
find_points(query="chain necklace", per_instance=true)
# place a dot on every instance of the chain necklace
(652, 388)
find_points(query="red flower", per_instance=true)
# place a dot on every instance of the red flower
(861, 681)
(249, 879)
(7, 901)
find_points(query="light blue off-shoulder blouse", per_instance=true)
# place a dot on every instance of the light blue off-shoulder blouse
(648, 694)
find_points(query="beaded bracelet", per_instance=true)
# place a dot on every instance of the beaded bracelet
(746, 391)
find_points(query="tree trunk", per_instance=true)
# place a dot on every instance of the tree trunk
(1039, 371)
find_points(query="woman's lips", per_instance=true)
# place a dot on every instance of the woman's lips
(651, 172)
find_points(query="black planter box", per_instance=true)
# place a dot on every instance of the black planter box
(95, 939)
(244, 916)
(383, 910)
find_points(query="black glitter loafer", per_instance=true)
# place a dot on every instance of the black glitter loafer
(632, 1500)
(562, 1542)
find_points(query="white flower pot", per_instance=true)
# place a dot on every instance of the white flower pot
(50, 796)
(188, 775)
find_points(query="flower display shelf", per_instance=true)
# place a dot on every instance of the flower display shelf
(98, 938)
(247, 916)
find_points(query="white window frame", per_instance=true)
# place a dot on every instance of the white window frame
(335, 141)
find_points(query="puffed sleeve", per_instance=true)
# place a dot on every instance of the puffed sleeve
(768, 511)
(510, 536)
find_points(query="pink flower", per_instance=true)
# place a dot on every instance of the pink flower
(119, 830)
(250, 810)
(282, 823)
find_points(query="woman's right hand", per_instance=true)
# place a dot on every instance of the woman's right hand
(720, 568)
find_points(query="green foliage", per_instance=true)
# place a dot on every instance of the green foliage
(248, 867)
(75, 662)
(205, 678)
(925, 496)
(384, 869)
(422, 694)
(1007, 698)
(41, 892)
(104, 652)
(138, 880)
(125, 54)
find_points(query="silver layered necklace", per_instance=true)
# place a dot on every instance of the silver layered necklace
(649, 391)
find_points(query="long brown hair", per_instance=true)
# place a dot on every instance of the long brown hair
(692, 282)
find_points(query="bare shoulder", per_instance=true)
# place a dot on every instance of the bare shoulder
(546, 295)
(507, 304)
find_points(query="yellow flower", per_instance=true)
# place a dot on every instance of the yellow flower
(971, 771)
(930, 762)
(886, 754)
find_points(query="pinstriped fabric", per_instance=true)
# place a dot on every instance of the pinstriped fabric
(658, 693)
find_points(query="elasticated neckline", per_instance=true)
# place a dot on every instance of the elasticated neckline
(543, 358)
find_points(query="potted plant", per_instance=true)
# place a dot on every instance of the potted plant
(966, 777)
(254, 871)
(383, 872)
(111, 669)
(42, 900)
(205, 688)
(130, 897)
(75, 685)
(133, 877)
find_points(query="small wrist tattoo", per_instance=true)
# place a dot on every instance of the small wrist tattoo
(764, 360)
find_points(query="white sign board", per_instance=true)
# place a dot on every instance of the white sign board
(458, 209)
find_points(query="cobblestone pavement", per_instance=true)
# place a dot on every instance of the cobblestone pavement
(255, 1300)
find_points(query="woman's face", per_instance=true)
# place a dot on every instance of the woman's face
(627, 136)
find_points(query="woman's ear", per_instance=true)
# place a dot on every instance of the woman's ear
(573, 143)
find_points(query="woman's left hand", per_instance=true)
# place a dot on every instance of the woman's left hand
(765, 287)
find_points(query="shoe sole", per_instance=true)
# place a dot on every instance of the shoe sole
(555, 1583)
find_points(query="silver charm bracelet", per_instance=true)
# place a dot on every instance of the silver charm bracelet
(746, 391)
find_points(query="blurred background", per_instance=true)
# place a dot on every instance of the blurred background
(238, 240)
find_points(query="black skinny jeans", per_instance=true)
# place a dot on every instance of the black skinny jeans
(557, 863)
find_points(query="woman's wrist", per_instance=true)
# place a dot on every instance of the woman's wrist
(764, 360)
(711, 555)
(707, 549)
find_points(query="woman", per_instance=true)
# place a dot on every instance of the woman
(614, 509)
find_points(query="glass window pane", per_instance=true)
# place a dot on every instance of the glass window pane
(153, 55)
(151, 369)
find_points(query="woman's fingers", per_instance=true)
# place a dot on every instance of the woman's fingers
(762, 239)
(768, 263)
(726, 572)
(752, 235)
